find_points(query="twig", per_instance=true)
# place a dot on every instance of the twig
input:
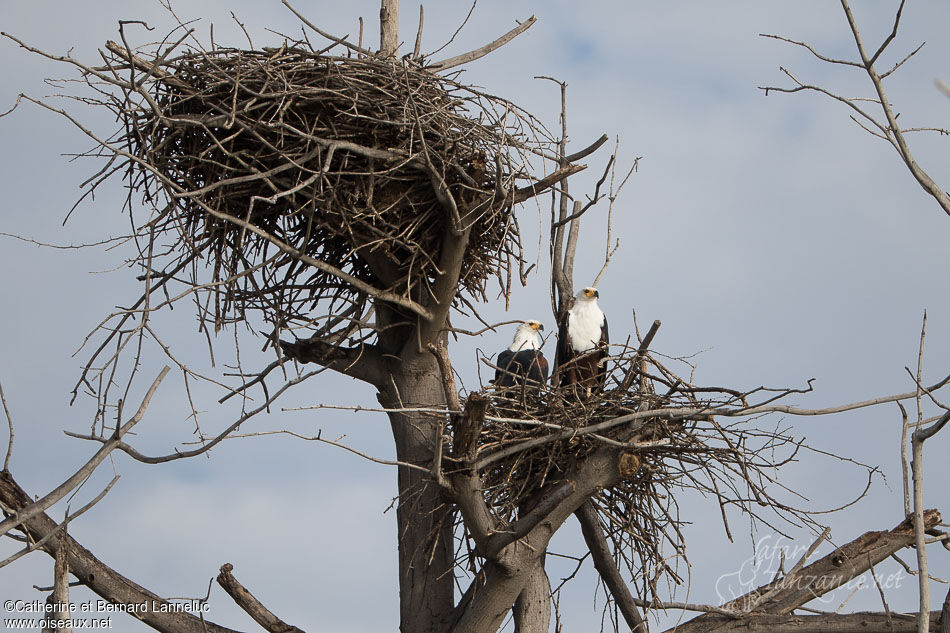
(905, 466)
(880, 591)
(464, 58)
(415, 49)
(925, 181)
(338, 40)
(587, 151)
(251, 605)
(40, 506)
(34, 545)
(917, 456)
(6, 410)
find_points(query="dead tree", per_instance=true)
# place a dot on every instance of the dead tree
(347, 202)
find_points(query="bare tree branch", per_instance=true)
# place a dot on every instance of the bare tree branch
(251, 605)
(823, 623)
(919, 174)
(99, 577)
(891, 131)
(34, 545)
(6, 410)
(59, 598)
(822, 576)
(587, 151)
(415, 49)
(604, 563)
(34, 509)
(361, 362)
(337, 40)
(464, 58)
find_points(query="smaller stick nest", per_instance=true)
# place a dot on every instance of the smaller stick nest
(534, 435)
(254, 157)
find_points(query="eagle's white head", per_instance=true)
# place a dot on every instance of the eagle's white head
(588, 294)
(527, 336)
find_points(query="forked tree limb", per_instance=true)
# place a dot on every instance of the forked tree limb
(889, 129)
(922, 177)
(525, 524)
(99, 577)
(453, 248)
(34, 545)
(508, 571)
(532, 610)
(444, 288)
(466, 482)
(251, 605)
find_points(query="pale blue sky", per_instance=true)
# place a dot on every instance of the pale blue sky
(769, 233)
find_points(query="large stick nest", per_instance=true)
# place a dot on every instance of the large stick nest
(254, 158)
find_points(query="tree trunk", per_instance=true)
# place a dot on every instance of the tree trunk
(532, 613)
(388, 27)
(424, 520)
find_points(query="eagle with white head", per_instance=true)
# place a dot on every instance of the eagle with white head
(582, 342)
(523, 361)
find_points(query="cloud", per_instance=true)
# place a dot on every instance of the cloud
(770, 231)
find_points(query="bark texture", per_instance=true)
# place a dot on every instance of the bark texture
(424, 519)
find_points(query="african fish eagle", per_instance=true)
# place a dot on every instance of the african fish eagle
(523, 360)
(582, 342)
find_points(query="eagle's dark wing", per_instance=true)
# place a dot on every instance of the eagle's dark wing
(543, 366)
(504, 369)
(564, 352)
(601, 369)
(538, 369)
(514, 368)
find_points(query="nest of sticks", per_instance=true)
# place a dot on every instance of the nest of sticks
(257, 160)
(668, 438)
